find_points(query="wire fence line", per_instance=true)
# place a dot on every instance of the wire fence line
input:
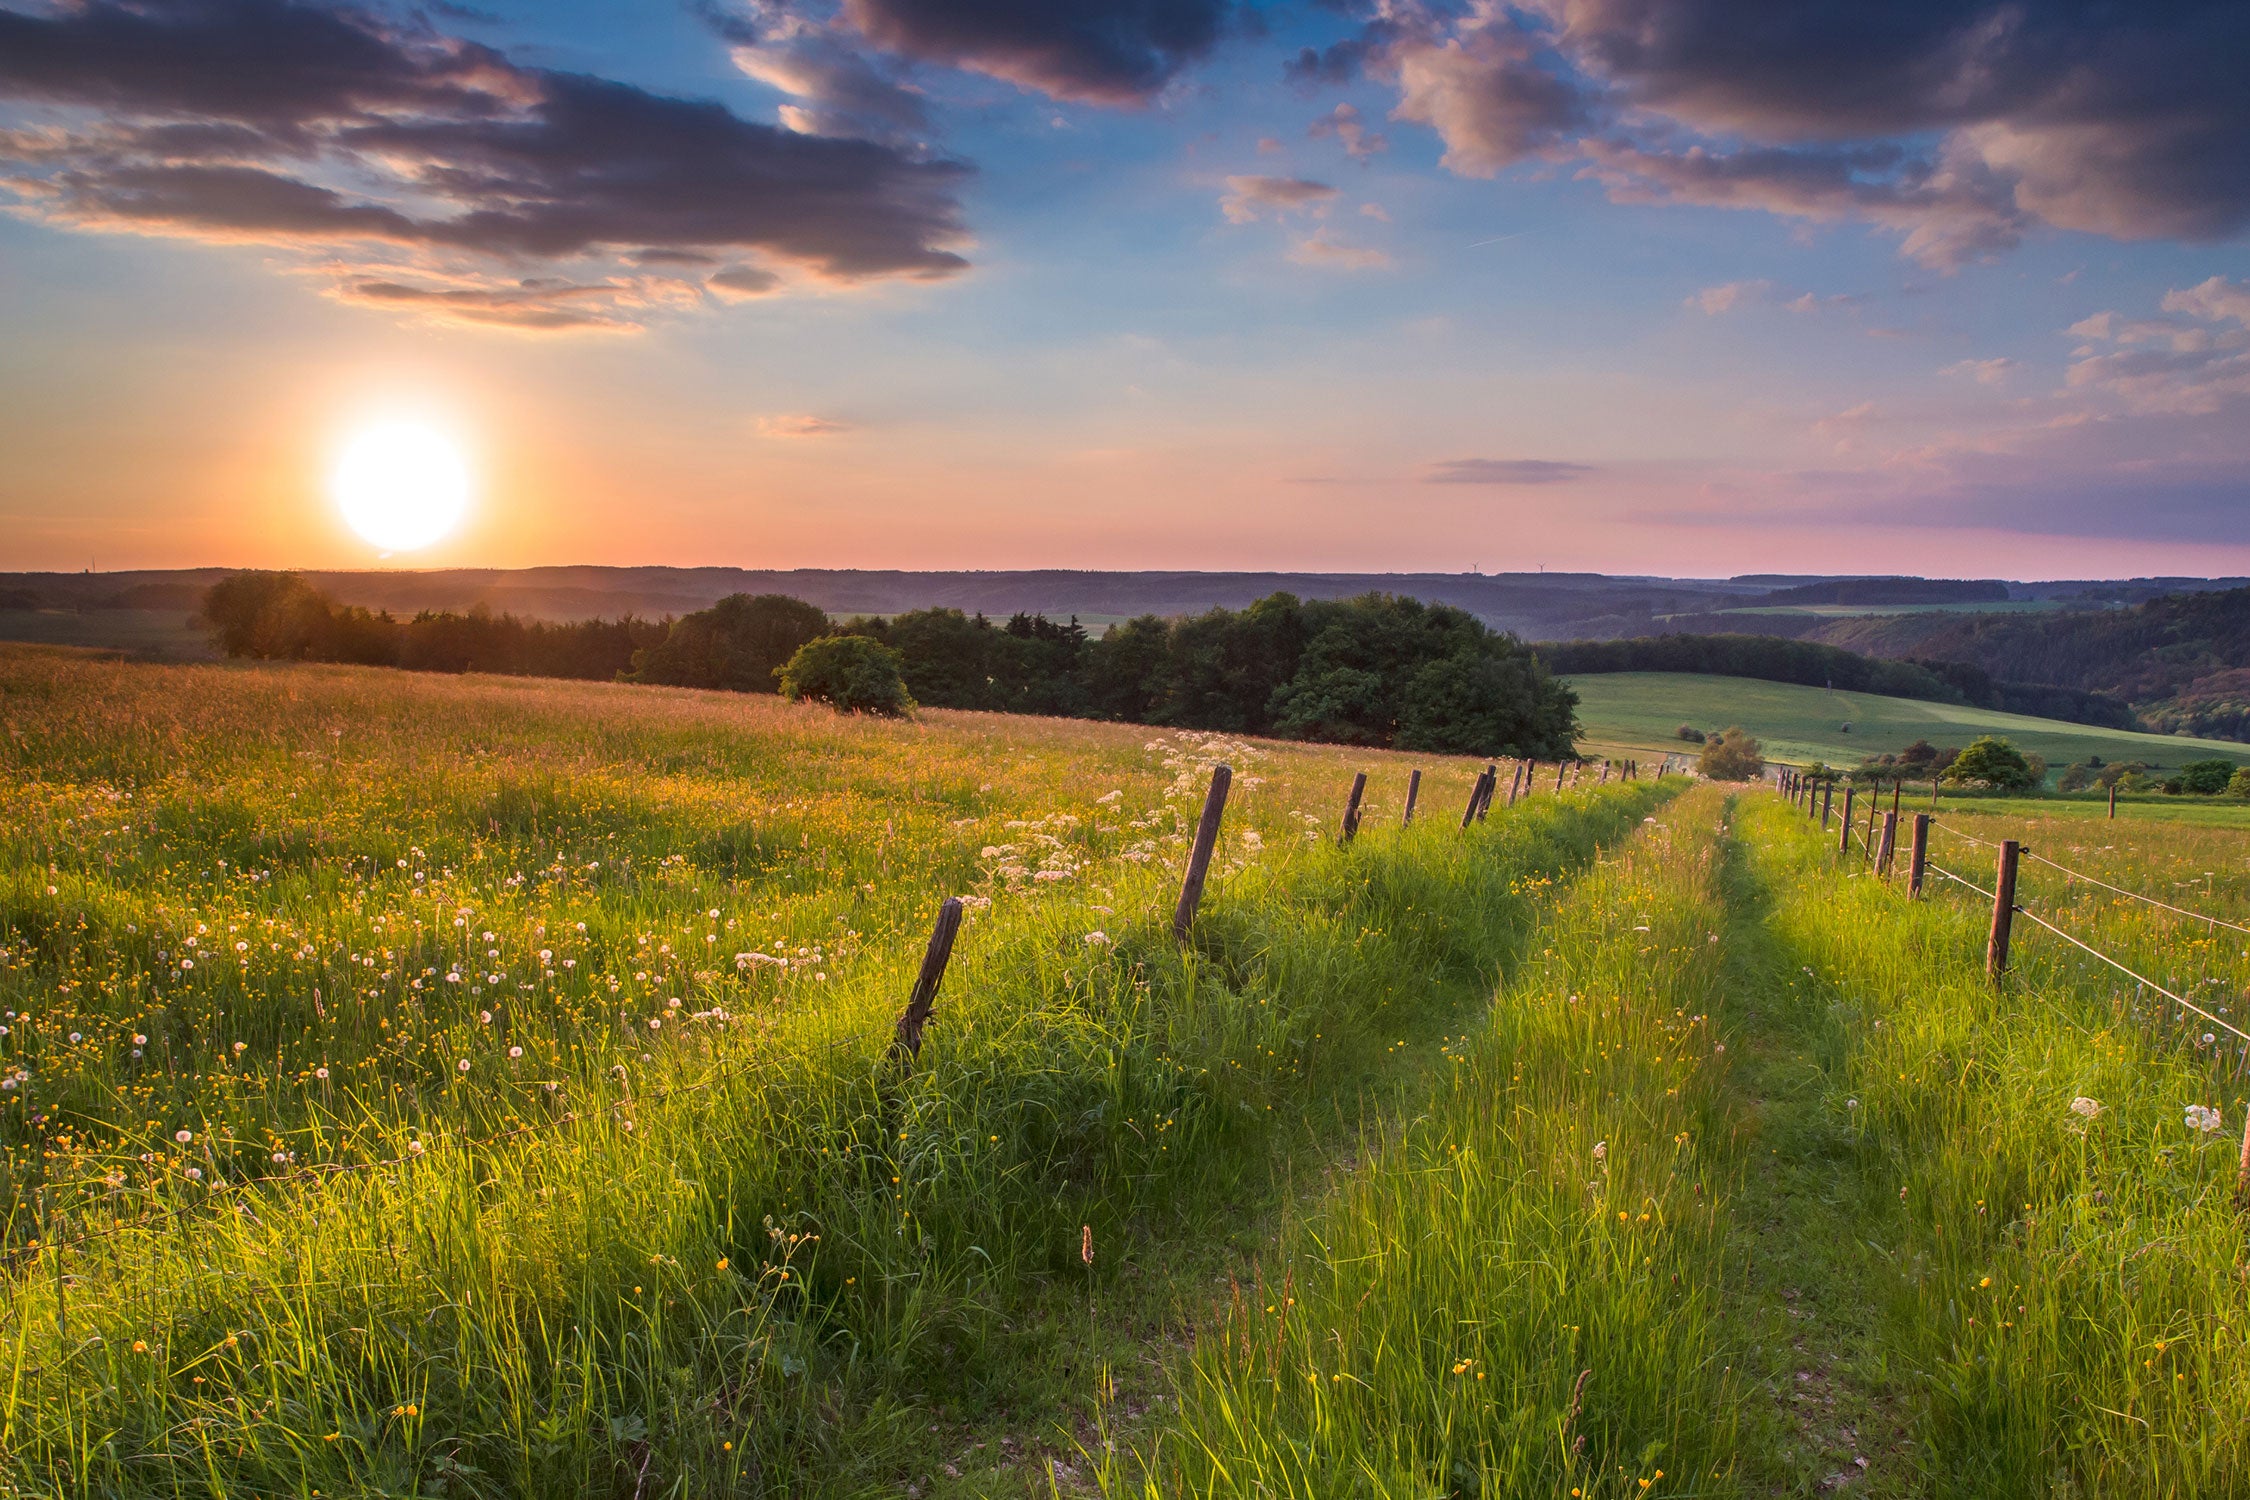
(2016, 907)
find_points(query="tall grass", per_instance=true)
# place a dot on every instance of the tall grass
(2068, 1282)
(677, 1227)
(1516, 1294)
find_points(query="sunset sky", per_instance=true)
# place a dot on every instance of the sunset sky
(1667, 286)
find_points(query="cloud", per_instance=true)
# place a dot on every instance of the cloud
(1504, 471)
(1319, 250)
(429, 173)
(1093, 51)
(1487, 93)
(1249, 198)
(1345, 124)
(1982, 371)
(2217, 299)
(1715, 300)
(738, 282)
(1957, 125)
(801, 425)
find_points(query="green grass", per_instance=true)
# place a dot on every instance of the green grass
(157, 634)
(1643, 710)
(1855, 611)
(677, 1227)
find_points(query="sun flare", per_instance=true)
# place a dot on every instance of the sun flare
(401, 484)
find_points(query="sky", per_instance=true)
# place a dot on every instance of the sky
(1684, 287)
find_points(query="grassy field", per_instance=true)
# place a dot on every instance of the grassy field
(471, 1087)
(1639, 712)
(156, 634)
(1854, 611)
(479, 1086)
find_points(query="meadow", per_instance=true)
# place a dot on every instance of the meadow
(419, 1085)
(1639, 713)
(481, 1085)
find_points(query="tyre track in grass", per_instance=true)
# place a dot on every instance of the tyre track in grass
(1812, 1228)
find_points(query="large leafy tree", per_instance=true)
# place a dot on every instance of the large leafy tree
(740, 643)
(1992, 762)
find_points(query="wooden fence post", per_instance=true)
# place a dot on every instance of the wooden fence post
(2003, 911)
(1476, 796)
(1890, 844)
(1413, 795)
(1351, 807)
(1918, 855)
(1605, 772)
(1844, 843)
(1490, 781)
(1561, 766)
(2113, 799)
(1199, 857)
(907, 1044)
(1515, 783)
(1874, 811)
(1827, 795)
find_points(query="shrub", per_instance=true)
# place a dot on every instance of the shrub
(850, 673)
(1691, 734)
(1992, 762)
(1732, 756)
(2207, 778)
(2076, 777)
(2238, 785)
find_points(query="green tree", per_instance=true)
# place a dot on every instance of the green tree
(2238, 785)
(2206, 778)
(851, 673)
(1731, 755)
(1992, 762)
(738, 643)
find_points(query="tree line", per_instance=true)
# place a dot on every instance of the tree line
(1378, 670)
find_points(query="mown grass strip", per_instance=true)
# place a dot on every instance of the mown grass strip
(1516, 1294)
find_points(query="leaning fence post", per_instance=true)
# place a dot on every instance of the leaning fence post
(2003, 911)
(1844, 841)
(1413, 795)
(1199, 857)
(1918, 854)
(1605, 772)
(1351, 806)
(1874, 810)
(1516, 781)
(1890, 844)
(1490, 783)
(907, 1044)
(1476, 798)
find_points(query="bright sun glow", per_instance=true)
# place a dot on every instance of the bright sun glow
(401, 485)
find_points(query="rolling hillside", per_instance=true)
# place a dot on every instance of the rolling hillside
(1640, 711)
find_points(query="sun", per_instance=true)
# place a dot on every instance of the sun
(401, 484)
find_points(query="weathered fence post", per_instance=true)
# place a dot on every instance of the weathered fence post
(2113, 799)
(1413, 795)
(1605, 772)
(1561, 767)
(1476, 797)
(1199, 857)
(1351, 806)
(1827, 795)
(2003, 911)
(1890, 843)
(1918, 855)
(1844, 842)
(907, 1044)
(1490, 781)
(1515, 782)
(1874, 811)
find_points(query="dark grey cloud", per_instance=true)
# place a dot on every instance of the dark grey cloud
(1097, 51)
(835, 85)
(1504, 471)
(420, 161)
(1957, 124)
